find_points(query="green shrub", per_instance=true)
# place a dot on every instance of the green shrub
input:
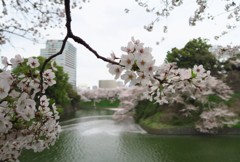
(145, 109)
(103, 103)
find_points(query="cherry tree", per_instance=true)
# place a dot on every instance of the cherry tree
(167, 84)
(211, 120)
(29, 121)
(97, 94)
(128, 97)
(223, 53)
(29, 18)
(203, 9)
(27, 118)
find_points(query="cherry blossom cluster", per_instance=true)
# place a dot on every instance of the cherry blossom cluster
(128, 97)
(225, 52)
(97, 94)
(213, 119)
(138, 64)
(32, 17)
(162, 9)
(27, 118)
(202, 5)
(165, 84)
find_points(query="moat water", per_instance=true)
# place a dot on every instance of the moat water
(94, 136)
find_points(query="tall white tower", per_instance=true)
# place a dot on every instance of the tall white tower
(68, 59)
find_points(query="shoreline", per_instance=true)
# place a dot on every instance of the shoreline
(188, 131)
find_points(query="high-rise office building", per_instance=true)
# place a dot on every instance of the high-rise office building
(67, 59)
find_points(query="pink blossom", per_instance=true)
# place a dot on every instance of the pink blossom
(129, 76)
(115, 70)
(33, 62)
(4, 62)
(4, 88)
(129, 49)
(16, 61)
(127, 61)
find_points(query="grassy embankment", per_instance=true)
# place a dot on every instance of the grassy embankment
(165, 116)
(103, 103)
(234, 104)
(158, 117)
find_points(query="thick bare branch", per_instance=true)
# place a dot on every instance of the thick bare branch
(82, 42)
(77, 38)
(3, 3)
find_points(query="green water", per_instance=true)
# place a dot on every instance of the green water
(93, 136)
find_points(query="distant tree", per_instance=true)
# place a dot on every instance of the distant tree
(73, 96)
(195, 52)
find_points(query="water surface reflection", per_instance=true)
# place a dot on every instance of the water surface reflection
(98, 138)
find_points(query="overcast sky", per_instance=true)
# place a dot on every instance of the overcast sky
(106, 27)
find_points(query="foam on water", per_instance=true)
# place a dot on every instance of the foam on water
(93, 125)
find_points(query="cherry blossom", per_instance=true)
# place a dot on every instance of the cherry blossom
(127, 61)
(115, 70)
(129, 48)
(49, 76)
(26, 107)
(185, 74)
(33, 62)
(129, 76)
(142, 79)
(16, 61)
(4, 88)
(143, 53)
(149, 68)
(212, 120)
(4, 62)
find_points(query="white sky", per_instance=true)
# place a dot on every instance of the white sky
(106, 27)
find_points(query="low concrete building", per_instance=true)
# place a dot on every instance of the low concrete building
(107, 84)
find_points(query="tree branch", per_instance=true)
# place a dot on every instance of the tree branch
(3, 3)
(76, 39)
(82, 42)
(17, 34)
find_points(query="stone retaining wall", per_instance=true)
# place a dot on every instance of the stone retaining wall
(188, 131)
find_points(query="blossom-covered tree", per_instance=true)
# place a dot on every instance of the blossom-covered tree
(167, 84)
(29, 18)
(229, 58)
(27, 118)
(62, 92)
